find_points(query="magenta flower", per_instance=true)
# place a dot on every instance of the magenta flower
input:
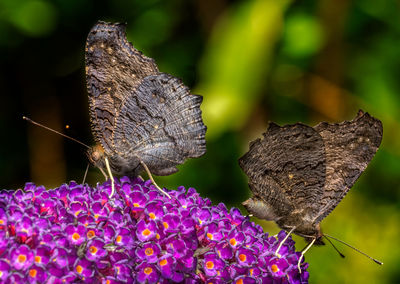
(74, 233)
(146, 231)
(21, 257)
(212, 264)
(4, 270)
(149, 252)
(95, 250)
(147, 273)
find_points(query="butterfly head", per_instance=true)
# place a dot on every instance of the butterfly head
(309, 232)
(305, 227)
(96, 155)
(118, 164)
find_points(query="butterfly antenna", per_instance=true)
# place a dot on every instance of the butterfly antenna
(55, 131)
(357, 250)
(341, 254)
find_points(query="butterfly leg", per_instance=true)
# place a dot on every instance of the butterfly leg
(303, 252)
(104, 174)
(86, 171)
(111, 176)
(283, 241)
(152, 180)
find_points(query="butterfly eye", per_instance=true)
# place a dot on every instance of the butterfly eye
(95, 155)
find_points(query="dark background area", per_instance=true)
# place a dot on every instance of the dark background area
(253, 61)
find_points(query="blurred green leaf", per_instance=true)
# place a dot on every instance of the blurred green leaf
(34, 17)
(303, 35)
(235, 63)
(150, 28)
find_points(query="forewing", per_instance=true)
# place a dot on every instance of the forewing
(113, 69)
(349, 147)
(286, 168)
(161, 124)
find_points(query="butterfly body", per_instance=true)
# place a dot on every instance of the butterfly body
(298, 174)
(138, 114)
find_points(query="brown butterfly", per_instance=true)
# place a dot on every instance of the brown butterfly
(139, 116)
(298, 174)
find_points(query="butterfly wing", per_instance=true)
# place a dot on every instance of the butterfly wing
(349, 147)
(160, 123)
(113, 68)
(286, 170)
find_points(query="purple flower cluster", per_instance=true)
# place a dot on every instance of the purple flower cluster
(75, 233)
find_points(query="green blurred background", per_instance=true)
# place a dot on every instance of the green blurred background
(253, 61)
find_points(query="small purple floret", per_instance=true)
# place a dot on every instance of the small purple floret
(75, 234)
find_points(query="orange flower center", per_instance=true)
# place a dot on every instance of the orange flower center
(149, 251)
(32, 273)
(232, 242)
(38, 259)
(165, 224)
(136, 205)
(242, 257)
(210, 264)
(163, 262)
(75, 236)
(210, 236)
(152, 216)
(93, 249)
(146, 232)
(118, 239)
(91, 234)
(79, 269)
(240, 281)
(148, 270)
(274, 268)
(22, 258)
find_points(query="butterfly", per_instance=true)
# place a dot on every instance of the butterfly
(140, 117)
(298, 174)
